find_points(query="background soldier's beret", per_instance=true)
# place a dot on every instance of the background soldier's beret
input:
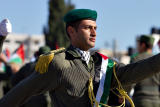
(79, 14)
(147, 39)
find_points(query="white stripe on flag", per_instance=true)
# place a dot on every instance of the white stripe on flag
(102, 79)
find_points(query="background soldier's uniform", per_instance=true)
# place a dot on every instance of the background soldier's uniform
(146, 92)
(67, 80)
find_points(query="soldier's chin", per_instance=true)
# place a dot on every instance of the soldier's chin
(92, 45)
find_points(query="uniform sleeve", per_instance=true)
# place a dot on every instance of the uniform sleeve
(16, 78)
(24, 72)
(35, 84)
(156, 79)
(136, 72)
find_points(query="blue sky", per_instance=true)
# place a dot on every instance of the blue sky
(122, 20)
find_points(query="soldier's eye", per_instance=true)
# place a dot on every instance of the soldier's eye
(95, 28)
(87, 27)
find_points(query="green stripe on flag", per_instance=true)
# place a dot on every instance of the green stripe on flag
(107, 82)
(16, 60)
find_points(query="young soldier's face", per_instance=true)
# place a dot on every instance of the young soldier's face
(85, 35)
(141, 47)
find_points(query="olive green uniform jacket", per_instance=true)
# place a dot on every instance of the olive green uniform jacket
(67, 80)
(146, 92)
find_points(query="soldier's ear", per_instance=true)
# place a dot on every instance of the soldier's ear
(70, 31)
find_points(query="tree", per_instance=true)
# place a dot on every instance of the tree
(55, 34)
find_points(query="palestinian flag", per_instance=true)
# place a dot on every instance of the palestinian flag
(18, 55)
(105, 80)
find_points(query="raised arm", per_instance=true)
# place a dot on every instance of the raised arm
(138, 71)
(5, 29)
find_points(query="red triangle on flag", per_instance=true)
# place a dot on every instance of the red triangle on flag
(103, 56)
(20, 52)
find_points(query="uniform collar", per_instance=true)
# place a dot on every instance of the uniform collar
(75, 53)
(72, 51)
(85, 55)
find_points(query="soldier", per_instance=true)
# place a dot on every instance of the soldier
(75, 78)
(5, 29)
(146, 92)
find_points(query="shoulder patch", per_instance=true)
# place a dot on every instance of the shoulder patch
(45, 59)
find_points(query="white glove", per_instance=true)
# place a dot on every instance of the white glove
(5, 27)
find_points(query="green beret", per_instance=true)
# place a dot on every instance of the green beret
(147, 39)
(79, 14)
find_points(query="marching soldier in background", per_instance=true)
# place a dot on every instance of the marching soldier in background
(146, 92)
(75, 78)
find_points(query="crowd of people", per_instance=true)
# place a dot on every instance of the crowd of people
(75, 77)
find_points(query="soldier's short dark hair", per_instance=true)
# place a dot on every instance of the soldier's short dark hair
(147, 40)
(75, 25)
(148, 46)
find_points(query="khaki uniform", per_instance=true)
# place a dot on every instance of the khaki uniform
(67, 80)
(146, 92)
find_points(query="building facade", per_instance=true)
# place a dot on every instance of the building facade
(31, 43)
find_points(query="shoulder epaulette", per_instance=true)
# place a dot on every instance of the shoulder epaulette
(45, 59)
